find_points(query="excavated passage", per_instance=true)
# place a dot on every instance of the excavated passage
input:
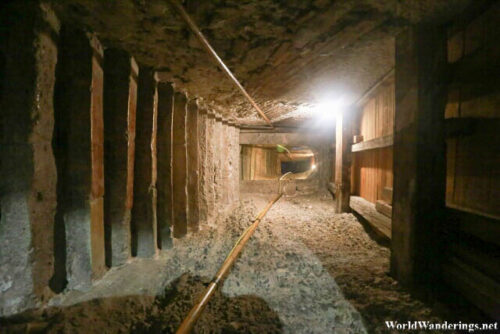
(305, 270)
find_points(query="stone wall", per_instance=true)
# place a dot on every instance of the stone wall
(28, 185)
(101, 161)
(218, 167)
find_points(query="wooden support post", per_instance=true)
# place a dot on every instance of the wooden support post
(164, 182)
(192, 165)
(419, 154)
(179, 167)
(29, 53)
(120, 102)
(144, 210)
(79, 155)
(324, 166)
(342, 163)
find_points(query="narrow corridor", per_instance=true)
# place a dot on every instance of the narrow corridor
(144, 144)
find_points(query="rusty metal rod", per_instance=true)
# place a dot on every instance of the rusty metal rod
(194, 28)
(197, 310)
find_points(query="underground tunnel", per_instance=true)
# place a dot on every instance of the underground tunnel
(249, 166)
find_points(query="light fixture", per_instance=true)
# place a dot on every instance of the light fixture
(328, 109)
(313, 166)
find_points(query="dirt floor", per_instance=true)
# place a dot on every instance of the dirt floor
(306, 270)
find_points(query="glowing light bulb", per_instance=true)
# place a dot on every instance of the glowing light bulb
(328, 109)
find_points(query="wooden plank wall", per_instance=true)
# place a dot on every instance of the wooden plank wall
(377, 116)
(259, 163)
(372, 169)
(472, 227)
(473, 173)
(372, 172)
(473, 176)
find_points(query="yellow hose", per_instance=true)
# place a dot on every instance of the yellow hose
(188, 322)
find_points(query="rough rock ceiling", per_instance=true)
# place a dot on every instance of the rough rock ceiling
(288, 54)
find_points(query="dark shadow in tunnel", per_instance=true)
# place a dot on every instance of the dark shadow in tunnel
(381, 240)
(60, 147)
(150, 314)
(297, 166)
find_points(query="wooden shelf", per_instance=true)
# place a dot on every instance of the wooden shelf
(372, 144)
(380, 223)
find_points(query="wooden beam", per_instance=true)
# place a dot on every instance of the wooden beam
(384, 208)
(164, 154)
(419, 156)
(372, 144)
(380, 223)
(387, 195)
(179, 167)
(342, 164)
(144, 219)
(78, 101)
(120, 102)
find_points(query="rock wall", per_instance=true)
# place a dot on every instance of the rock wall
(101, 160)
(193, 154)
(218, 166)
(28, 195)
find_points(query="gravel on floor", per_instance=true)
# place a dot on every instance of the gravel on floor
(305, 270)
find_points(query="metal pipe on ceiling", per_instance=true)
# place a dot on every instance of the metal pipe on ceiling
(194, 28)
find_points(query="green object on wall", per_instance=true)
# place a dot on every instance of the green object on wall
(281, 149)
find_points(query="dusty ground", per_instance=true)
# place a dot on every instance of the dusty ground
(306, 270)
